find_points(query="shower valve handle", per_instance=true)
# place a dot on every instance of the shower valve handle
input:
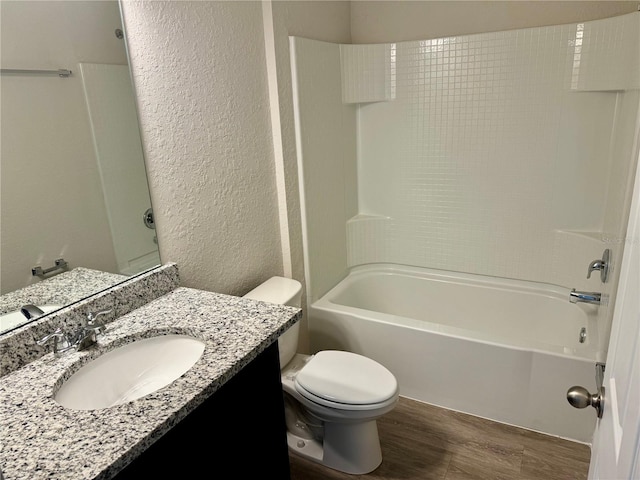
(602, 265)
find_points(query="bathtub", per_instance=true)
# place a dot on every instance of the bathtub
(506, 350)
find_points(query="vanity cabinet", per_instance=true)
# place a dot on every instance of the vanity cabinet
(176, 432)
(238, 432)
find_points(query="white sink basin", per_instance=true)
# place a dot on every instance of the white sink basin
(130, 372)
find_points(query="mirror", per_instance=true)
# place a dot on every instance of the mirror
(73, 188)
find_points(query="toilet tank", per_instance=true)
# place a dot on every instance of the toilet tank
(282, 291)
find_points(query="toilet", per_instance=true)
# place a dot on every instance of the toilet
(332, 398)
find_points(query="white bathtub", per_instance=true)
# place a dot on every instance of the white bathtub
(506, 350)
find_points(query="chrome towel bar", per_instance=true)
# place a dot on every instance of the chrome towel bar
(38, 271)
(63, 72)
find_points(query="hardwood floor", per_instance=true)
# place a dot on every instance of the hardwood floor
(420, 441)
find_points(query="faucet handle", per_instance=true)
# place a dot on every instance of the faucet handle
(93, 323)
(91, 316)
(595, 265)
(61, 341)
(55, 335)
(602, 265)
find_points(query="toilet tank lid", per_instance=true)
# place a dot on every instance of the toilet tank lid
(278, 290)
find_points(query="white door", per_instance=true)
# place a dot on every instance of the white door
(615, 454)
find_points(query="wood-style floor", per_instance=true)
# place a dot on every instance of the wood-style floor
(420, 441)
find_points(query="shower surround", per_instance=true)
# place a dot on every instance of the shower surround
(506, 154)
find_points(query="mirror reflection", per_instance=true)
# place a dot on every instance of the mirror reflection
(74, 195)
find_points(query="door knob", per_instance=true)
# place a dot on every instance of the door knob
(579, 397)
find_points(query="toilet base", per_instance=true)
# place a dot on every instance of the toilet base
(347, 447)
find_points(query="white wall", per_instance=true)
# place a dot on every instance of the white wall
(51, 197)
(326, 155)
(402, 20)
(116, 134)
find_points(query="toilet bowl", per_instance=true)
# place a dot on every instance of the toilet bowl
(332, 398)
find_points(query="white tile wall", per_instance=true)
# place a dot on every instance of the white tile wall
(489, 159)
(368, 239)
(368, 72)
(606, 54)
(487, 153)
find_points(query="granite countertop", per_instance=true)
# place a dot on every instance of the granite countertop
(41, 439)
(61, 289)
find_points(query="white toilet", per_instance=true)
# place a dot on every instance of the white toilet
(332, 398)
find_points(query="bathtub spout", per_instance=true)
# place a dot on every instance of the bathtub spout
(584, 297)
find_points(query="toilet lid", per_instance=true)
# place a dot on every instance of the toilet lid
(345, 377)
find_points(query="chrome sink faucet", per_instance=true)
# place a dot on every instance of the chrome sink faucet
(31, 311)
(83, 338)
(61, 342)
(584, 297)
(91, 328)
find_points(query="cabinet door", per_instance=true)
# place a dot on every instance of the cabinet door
(239, 431)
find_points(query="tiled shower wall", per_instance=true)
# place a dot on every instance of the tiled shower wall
(493, 153)
(504, 154)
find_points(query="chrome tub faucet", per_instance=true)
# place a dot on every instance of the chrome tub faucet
(601, 265)
(584, 297)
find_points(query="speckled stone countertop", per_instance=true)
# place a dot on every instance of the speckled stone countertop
(62, 289)
(40, 439)
(18, 346)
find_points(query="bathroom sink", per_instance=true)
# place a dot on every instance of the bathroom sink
(130, 372)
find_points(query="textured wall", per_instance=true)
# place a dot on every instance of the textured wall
(200, 77)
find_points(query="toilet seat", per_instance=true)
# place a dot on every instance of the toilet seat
(346, 381)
